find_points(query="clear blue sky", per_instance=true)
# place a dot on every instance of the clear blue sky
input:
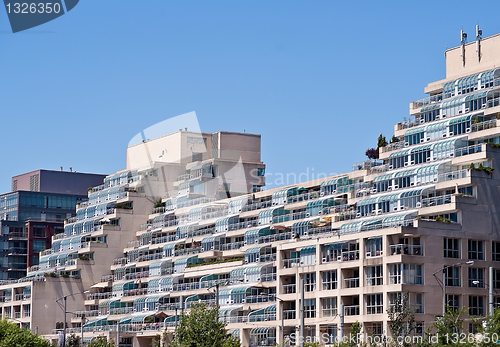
(318, 79)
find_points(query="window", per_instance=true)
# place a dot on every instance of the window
(405, 274)
(329, 307)
(197, 156)
(452, 277)
(310, 308)
(495, 250)
(373, 247)
(374, 276)
(473, 328)
(453, 302)
(476, 249)
(451, 248)
(310, 282)
(38, 231)
(496, 279)
(38, 245)
(261, 171)
(476, 277)
(476, 305)
(329, 279)
(374, 304)
(415, 301)
(377, 329)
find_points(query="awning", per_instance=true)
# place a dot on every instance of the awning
(404, 173)
(260, 331)
(140, 318)
(399, 218)
(329, 182)
(399, 154)
(210, 277)
(226, 310)
(125, 320)
(383, 177)
(155, 298)
(460, 119)
(100, 321)
(254, 250)
(236, 273)
(309, 249)
(240, 290)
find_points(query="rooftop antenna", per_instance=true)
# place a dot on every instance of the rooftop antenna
(479, 36)
(463, 41)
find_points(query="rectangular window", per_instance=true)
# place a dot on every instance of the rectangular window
(374, 304)
(310, 282)
(374, 276)
(261, 171)
(495, 250)
(453, 301)
(197, 156)
(476, 251)
(496, 278)
(476, 305)
(452, 277)
(373, 247)
(377, 329)
(38, 245)
(310, 308)
(329, 307)
(476, 277)
(415, 301)
(451, 248)
(405, 274)
(38, 231)
(329, 280)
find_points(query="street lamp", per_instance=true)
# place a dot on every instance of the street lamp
(491, 289)
(443, 279)
(65, 311)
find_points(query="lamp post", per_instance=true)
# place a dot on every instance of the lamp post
(491, 289)
(282, 304)
(65, 312)
(443, 279)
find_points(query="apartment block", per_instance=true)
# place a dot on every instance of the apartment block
(187, 222)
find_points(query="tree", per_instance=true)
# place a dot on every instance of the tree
(372, 153)
(73, 341)
(202, 328)
(401, 319)
(12, 335)
(491, 326)
(381, 141)
(101, 342)
(394, 139)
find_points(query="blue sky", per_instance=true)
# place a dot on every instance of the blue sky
(318, 79)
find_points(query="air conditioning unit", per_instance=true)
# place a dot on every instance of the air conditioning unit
(445, 134)
(390, 167)
(324, 260)
(412, 184)
(322, 194)
(231, 301)
(459, 111)
(483, 106)
(395, 208)
(412, 162)
(422, 120)
(443, 116)
(419, 204)
(428, 159)
(334, 191)
(395, 186)
(428, 139)
(308, 215)
(339, 258)
(374, 190)
(358, 215)
(452, 154)
(435, 179)
(379, 211)
(389, 188)
(466, 110)
(422, 140)
(368, 254)
(244, 243)
(242, 301)
(406, 164)
(468, 130)
(406, 144)
(402, 207)
(320, 212)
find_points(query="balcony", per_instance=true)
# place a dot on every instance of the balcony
(87, 314)
(232, 246)
(98, 296)
(289, 314)
(351, 310)
(437, 200)
(289, 263)
(121, 310)
(351, 282)
(406, 249)
(289, 288)
(237, 319)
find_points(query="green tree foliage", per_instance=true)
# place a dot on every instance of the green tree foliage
(202, 328)
(394, 139)
(401, 319)
(381, 141)
(491, 326)
(73, 341)
(12, 335)
(101, 342)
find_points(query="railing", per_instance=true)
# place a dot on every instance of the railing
(231, 246)
(350, 255)
(395, 145)
(454, 175)
(351, 282)
(17, 314)
(163, 239)
(468, 150)
(133, 244)
(406, 249)
(26, 314)
(86, 314)
(289, 314)
(289, 288)
(268, 277)
(193, 250)
(489, 124)
(17, 235)
(262, 317)
(107, 278)
(351, 310)
(428, 100)
(120, 261)
(236, 319)
(121, 310)
(186, 286)
(367, 164)
(252, 299)
(19, 297)
(134, 292)
(159, 209)
(98, 296)
(437, 200)
(135, 275)
(288, 263)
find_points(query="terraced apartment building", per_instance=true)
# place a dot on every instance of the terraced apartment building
(187, 222)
